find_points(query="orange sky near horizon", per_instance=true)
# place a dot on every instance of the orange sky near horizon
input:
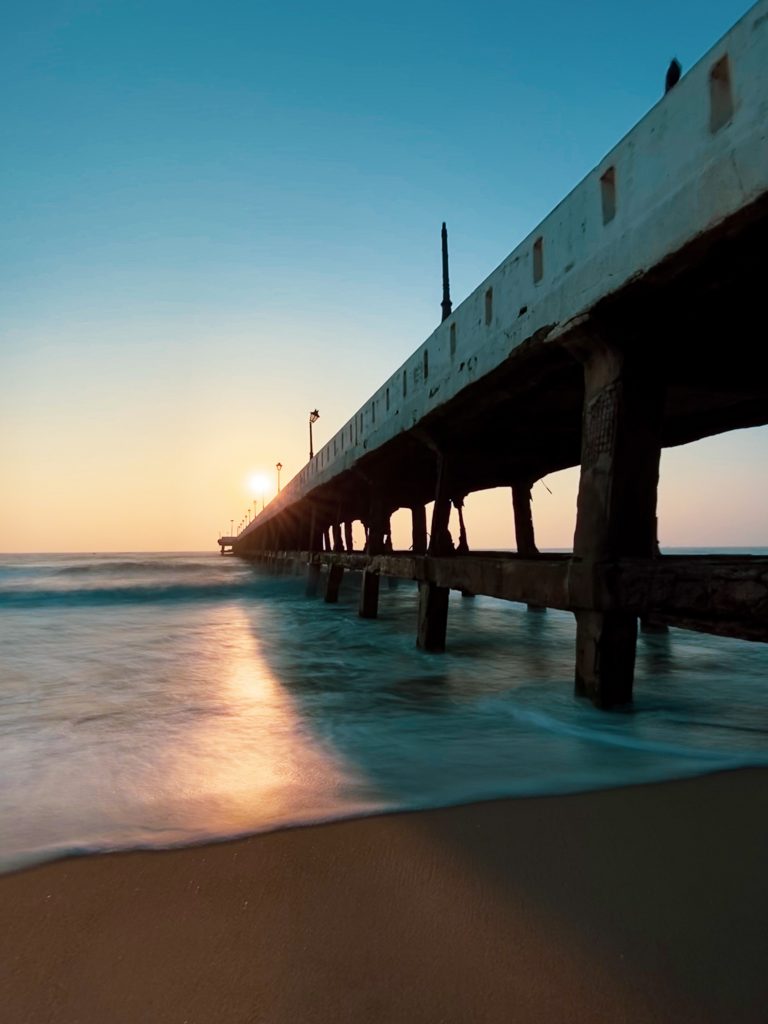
(170, 469)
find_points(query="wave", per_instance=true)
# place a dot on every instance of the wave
(110, 568)
(600, 735)
(128, 594)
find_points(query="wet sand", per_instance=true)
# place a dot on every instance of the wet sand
(631, 905)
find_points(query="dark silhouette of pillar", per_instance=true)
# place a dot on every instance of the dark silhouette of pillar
(462, 547)
(374, 545)
(335, 576)
(433, 617)
(440, 541)
(433, 600)
(616, 510)
(521, 505)
(419, 529)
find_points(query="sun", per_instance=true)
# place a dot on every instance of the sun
(258, 484)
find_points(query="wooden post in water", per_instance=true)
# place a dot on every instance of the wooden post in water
(616, 511)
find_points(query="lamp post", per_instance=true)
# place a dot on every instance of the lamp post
(314, 416)
(231, 527)
(278, 467)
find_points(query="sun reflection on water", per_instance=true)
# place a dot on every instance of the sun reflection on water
(254, 760)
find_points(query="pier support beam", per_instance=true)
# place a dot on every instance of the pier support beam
(335, 576)
(525, 540)
(348, 540)
(433, 600)
(419, 529)
(521, 507)
(605, 656)
(440, 541)
(616, 509)
(462, 548)
(369, 595)
(369, 588)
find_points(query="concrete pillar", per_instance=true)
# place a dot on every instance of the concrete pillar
(440, 541)
(462, 548)
(369, 589)
(369, 595)
(349, 544)
(433, 617)
(521, 505)
(338, 543)
(419, 529)
(335, 576)
(433, 600)
(524, 535)
(377, 527)
(616, 509)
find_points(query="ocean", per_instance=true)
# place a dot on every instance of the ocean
(151, 700)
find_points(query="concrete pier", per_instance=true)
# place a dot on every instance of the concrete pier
(623, 324)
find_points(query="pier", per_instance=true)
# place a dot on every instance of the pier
(631, 319)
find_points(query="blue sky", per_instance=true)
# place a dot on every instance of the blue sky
(218, 217)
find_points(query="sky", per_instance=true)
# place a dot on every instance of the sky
(219, 217)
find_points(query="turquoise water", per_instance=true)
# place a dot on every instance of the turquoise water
(150, 700)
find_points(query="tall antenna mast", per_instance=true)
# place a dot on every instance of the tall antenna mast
(446, 303)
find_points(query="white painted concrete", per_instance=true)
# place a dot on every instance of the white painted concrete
(696, 158)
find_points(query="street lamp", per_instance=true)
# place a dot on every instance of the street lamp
(314, 416)
(278, 467)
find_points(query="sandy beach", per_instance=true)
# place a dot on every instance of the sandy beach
(639, 904)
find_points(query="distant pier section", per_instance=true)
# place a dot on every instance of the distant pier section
(632, 318)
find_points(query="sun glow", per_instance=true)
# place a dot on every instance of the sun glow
(258, 484)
